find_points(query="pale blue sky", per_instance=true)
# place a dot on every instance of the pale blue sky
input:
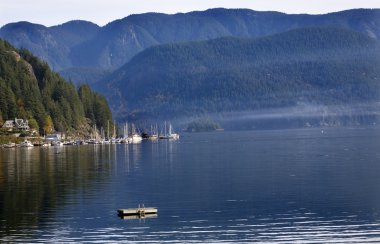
(53, 12)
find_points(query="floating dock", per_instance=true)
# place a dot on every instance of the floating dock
(140, 212)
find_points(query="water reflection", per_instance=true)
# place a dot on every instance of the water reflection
(263, 186)
(140, 217)
(35, 181)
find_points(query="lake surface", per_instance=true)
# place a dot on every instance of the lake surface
(305, 185)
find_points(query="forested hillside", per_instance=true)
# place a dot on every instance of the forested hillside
(83, 51)
(328, 66)
(29, 89)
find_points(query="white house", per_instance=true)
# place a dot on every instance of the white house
(16, 123)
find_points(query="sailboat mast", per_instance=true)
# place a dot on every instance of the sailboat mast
(165, 128)
(114, 129)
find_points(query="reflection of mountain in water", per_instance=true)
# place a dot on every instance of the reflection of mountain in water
(294, 186)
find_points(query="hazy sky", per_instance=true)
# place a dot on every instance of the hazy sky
(53, 12)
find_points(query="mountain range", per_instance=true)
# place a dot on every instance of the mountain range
(216, 61)
(78, 49)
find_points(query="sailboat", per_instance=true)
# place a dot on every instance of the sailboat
(94, 137)
(126, 138)
(163, 135)
(153, 133)
(172, 135)
(114, 139)
(169, 135)
(136, 137)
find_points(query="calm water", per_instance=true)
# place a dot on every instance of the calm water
(266, 186)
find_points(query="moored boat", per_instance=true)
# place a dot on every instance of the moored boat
(172, 135)
(153, 134)
(136, 138)
(9, 145)
(169, 135)
(92, 141)
(69, 143)
(57, 143)
(26, 143)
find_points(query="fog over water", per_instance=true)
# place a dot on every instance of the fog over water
(300, 116)
(305, 111)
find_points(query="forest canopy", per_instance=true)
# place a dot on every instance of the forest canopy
(30, 90)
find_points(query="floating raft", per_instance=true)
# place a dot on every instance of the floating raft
(137, 211)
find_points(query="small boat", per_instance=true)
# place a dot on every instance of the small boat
(69, 143)
(152, 137)
(57, 143)
(127, 140)
(116, 140)
(92, 141)
(9, 145)
(80, 142)
(136, 138)
(26, 143)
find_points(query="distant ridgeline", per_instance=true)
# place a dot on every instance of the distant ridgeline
(81, 49)
(30, 90)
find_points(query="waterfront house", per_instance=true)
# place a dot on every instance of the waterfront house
(16, 124)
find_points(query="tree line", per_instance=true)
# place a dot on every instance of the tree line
(30, 90)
